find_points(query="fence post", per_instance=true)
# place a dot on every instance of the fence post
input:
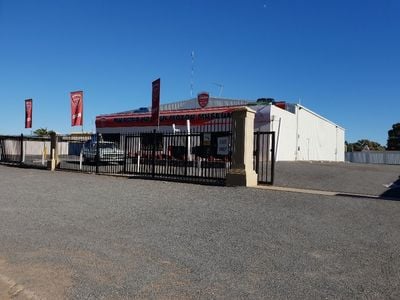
(53, 152)
(97, 158)
(21, 158)
(257, 150)
(125, 152)
(273, 157)
(242, 172)
(187, 153)
(153, 154)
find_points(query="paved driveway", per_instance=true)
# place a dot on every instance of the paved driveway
(365, 179)
(75, 236)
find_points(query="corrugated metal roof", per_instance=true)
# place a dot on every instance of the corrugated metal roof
(193, 104)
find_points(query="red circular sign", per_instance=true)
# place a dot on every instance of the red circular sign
(202, 99)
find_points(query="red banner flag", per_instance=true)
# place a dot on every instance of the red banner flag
(77, 108)
(155, 102)
(28, 113)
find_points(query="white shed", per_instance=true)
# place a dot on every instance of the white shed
(301, 134)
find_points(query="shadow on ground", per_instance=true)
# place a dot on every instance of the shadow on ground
(393, 191)
(343, 178)
(391, 194)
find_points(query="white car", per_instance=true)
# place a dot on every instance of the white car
(108, 152)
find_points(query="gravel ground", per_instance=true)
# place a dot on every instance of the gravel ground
(74, 236)
(365, 179)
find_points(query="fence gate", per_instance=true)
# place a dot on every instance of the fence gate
(178, 156)
(264, 156)
(199, 157)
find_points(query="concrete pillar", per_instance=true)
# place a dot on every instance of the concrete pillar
(53, 152)
(242, 172)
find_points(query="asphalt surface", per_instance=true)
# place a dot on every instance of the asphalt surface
(68, 235)
(368, 179)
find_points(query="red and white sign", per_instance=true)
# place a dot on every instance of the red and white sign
(202, 99)
(28, 113)
(155, 102)
(197, 117)
(77, 108)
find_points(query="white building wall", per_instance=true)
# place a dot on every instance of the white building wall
(284, 124)
(318, 138)
(302, 136)
(340, 133)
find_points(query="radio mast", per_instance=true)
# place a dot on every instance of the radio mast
(192, 76)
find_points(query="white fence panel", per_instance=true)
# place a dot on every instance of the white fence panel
(374, 157)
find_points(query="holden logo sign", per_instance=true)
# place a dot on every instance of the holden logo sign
(76, 99)
(203, 98)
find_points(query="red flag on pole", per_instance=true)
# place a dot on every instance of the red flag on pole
(77, 108)
(155, 103)
(28, 113)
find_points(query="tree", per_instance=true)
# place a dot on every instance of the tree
(43, 132)
(393, 142)
(363, 145)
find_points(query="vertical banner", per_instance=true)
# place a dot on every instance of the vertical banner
(28, 113)
(77, 108)
(155, 102)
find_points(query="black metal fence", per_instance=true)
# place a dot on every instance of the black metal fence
(31, 151)
(11, 149)
(200, 157)
(264, 156)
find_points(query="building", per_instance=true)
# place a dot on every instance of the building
(301, 134)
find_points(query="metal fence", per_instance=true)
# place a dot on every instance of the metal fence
(31, 151)
(374, 157)
(200, 157)
(264, 156)
(11, 149)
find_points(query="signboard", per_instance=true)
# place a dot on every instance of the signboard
(77, 108)
(207, 139)
(197, 117)
(155, 101)
(223, 145)
(28, 113)
(203, 99)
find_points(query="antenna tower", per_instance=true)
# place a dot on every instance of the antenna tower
(192, 75)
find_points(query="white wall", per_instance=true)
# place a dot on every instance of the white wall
(284, 124)
(36, 147)
(318, 138)
(340, 133)
(374, 157)
(314, 137)
(12, 147)
(62, 148)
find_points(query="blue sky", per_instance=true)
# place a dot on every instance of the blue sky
(340, 58)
